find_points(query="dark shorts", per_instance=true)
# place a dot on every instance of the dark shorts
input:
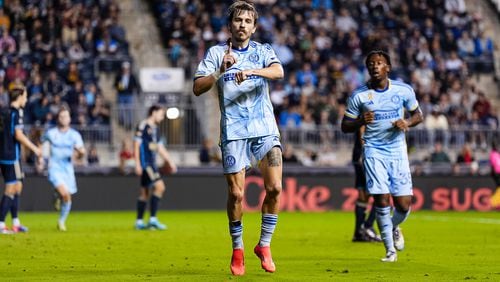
(12, 173)
(360, 178)
(149, 176)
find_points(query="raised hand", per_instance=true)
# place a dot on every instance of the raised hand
(228, 60)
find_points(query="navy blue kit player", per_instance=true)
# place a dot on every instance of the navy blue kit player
(147, 145)
(12, 137)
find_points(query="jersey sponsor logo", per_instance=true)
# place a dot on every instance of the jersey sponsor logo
(230, 161)
(232, 76)
(386, 115)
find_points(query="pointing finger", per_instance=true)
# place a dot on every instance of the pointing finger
(229, 46)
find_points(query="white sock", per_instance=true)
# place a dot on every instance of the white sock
(236, 232)
(16, 221)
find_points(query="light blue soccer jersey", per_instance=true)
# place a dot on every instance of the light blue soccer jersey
(60, 166)
(382, 139)
(246, 109)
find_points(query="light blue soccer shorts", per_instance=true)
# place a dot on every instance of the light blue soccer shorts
(63, 176)
(388, 176)
(237, 154)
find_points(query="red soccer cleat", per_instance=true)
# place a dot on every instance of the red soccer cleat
(266, 260)
(238, 262)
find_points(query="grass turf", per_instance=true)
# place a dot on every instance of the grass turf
(306, 247)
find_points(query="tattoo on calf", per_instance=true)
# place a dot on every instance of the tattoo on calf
(274, 157)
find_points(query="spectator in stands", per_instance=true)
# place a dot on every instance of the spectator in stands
(54, 85)
(126, 87)
(4, 20)
(437, 123)
(126, 155)
(106, 45)
(15, 71)
(466, 45)
(4, 97)
(465, 161)
(438, 155)
(92, 156)
(289, 155)
(7, 43)
(100, 113)
(73, 74)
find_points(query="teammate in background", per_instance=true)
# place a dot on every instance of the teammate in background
(62, 142)
(380, 105)
(363, 228)
(241, 69)
(147, 145)
(12, 136)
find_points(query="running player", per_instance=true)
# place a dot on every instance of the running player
(381, 105)
(63, 141)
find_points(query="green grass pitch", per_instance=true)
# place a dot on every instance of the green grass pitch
(306, 247)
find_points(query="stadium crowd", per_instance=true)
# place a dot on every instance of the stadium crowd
(436, 46)
(52, 47)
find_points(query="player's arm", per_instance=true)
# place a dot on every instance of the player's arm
(166, 156)
(80, 152)
(204, 83)
(137, 157)
(23, 139)
(416, 117)
(350, 125)
(272, 72)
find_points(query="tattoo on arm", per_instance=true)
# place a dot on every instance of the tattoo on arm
(274, 157)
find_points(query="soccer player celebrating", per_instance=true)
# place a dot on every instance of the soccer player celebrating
(63, 141)
(12, 136)
(380, 105)
(241, 69)
(147, 145)
(363, 228)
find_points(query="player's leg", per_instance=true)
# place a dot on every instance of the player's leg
(377, 183)
(65, 196)
(236, 183)
(236, 158)
(368, 225)
(402, 191)
(12, 177)
(5, 205)
(16, 222)
(361, 203)
(271, 166)
(154, 203)
(400, 214)
(142, 201)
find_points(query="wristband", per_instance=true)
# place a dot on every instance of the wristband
(216, 75)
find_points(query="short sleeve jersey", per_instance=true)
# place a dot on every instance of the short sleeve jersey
(381, 138)
(148, 137)
(62, 144)
(10, 149)
(246, 108)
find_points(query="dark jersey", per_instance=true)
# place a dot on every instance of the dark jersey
(10, 149)
(357, 151)
(148, 137)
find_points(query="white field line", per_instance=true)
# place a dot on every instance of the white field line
(481, 220)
